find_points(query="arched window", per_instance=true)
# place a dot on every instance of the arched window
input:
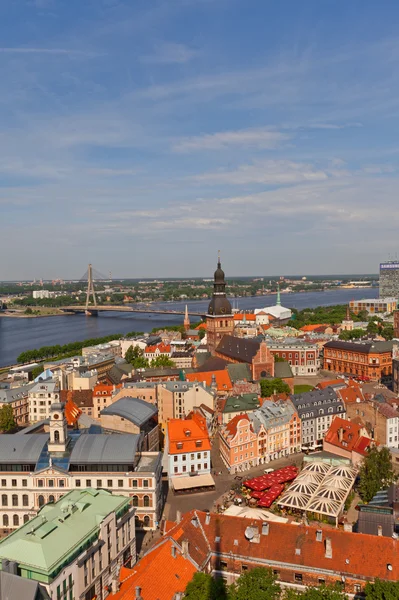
(146, 501)
(25, 500)
(4, 500)
(135, 500)
(56, 437)
(15, 521)
(137, 521)
(5, 520)
(14, 500)
(263, 374)
(51, 499)
(41, 501)
(26, 518)
(146, 521)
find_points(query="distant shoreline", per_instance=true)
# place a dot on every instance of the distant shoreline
(23, 316)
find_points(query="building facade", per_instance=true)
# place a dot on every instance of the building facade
(41, 397)
(367, 360)
(76, 546)
(316, 410)
(18, 399)
(303, 358)
(380, 418)
(389, 279)
(238, 444)
(373, 306)
(278, 429)
(189, 447)
(37, 468)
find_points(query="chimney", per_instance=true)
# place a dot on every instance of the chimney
(178, 516)
(184, 546)
(173, 550)
(340, 434)
(265, 529)
(348, 527)
(138, 595)
(379, 530)
(319, 535)
(115, 585)
(207, 518)
(194, 521)
(328, 546)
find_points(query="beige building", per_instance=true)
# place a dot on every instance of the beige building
(18, 399)
(41, 397)
(37, 468)
(82, 381)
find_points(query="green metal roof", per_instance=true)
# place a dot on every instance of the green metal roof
(241, 403)
(61, 530)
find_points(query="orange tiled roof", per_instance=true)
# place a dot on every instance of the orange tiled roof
(72, 412)
(350, 432)
(356, 554)
(232, 425)
(183, 435)
(350, 394)
(201, 326)
(248, 317)
(158, 574)
(223, 381)
(307, 328)
(323, 384)
(163, 349)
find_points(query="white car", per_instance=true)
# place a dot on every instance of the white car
(267, 471)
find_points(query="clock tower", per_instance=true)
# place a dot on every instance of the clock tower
(58, 428)
(219, 319)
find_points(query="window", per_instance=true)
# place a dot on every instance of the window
(26, 518)
(41, 501)
(77, 483)
(109, 483)
(25, 500)
(298, 577)
(146, 521)
(146, 501)
(14, 483)
(5, 520)
(99, 483)
(61, 483)
(14, 500)
(276, 573)
(4, 500)
(51, 499)
(120, 482)
(357, 588)
(321, 581)
(184, 468)
(4, 482)
(51, 482)
(88, 482)
(15, 521)
(40, 483)
(205, 465)
(134, 483)
(135, 501)
(175, 458)
(145, 483)
(24, 483)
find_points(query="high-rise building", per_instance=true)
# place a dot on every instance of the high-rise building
(220, 318)
(389, 279)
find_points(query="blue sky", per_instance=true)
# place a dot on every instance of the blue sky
(144, 135)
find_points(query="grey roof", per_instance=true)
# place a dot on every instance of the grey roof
(183, 386)
(49, 386)
(239, 372)
(21, 448)
(133, 409)
(378, 347)
(283, 370)
(315, 400)
(272, 414)
(102, 448)
(241, 349)
(115, 374)
(14, 587)
(12, 394)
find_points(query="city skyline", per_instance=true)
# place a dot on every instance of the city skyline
(143, 138)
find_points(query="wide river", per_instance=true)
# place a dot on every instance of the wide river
(17, 335)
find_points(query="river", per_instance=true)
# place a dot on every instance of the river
(17, 335)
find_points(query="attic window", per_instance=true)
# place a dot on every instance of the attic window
(198, 443)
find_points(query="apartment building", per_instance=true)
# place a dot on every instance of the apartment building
(238, 444)
(36, 468)
(278, 429)
(316, 410)
(18, 399)
(41, 397)
(76, 546)
(303, 358)
(367, 360)
(380, 418)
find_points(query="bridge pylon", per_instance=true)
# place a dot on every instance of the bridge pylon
(90, 292)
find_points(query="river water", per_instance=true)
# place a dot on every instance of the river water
(17, 335)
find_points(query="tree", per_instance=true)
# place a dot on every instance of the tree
(355, 334)
(387, 332)
(256, 584)
(204, 587)
(270, 386)
(317, 593)
(7, 421)
(36, 371)
(382, 590)
(162, 361)
(375, 473)
(135, 356)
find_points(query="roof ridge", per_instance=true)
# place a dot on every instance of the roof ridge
(203, 532)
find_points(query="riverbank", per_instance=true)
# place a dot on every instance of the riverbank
(22, 315)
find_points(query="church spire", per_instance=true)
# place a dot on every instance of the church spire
(348, 317)
(278, 303)
(186, 321)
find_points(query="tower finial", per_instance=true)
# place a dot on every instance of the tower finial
(219, 257)
(348, 317)
(278, 303)
(186, 321)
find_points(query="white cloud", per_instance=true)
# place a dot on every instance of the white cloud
(25, 50)
(170, 53)
(261, 137)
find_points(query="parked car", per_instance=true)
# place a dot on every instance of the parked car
(267, 471)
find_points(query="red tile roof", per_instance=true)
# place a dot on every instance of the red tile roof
(185, 434)
(240, 317)
(158, 574)
(163, 349)
(223, 381)
(308, 328)
(324, 384)
(353, 554)
(350, 394)
(350, 436)
(232, 425)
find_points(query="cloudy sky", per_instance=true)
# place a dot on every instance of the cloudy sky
(144, 135)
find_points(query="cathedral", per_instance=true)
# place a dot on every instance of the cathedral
(220, 318)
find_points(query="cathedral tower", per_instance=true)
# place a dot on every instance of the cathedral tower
(58, 428)
(186, 321)
(219, 319)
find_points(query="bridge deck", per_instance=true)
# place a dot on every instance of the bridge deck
(113, 308)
